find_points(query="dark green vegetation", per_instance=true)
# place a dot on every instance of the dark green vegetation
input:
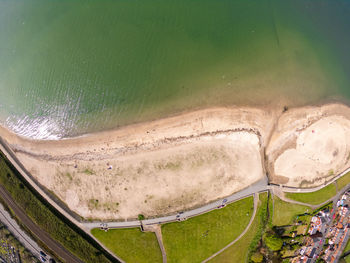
(199, 237)
(131, 244)
(135, 60)
(10, 240)
(244, 248)
(284, 213)
(46, 217)
(343, 181)
(257, 257)
(314, 198)
(273, 242)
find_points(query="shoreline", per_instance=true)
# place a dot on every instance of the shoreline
(149, 126)
(267, 107)
(148, 158)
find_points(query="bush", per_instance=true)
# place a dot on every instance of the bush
(274, 243)
(257, 257)
(141, 217)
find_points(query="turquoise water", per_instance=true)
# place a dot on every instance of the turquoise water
(72, 67)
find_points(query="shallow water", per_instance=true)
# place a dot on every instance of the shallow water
(71, 67)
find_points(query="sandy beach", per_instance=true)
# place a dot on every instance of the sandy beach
(177, 163)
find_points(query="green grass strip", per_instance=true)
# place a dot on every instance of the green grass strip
(284, 213)
(240, 251)
(199, 237)
(346, 249)
(314, 198)
(131, 244)
(45, 217)
(343, 181)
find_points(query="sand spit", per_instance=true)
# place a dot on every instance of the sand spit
(177, 163)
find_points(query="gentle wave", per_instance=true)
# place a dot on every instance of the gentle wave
(46, 122)
(42, 128)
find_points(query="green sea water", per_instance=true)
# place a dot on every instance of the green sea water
(72, 67)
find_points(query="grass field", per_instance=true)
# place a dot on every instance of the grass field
(198, 238)
(314, 198)
(343, 181)
(240, 250)
(284, 212)
(347, 248)
(46, 218)
(131, 244)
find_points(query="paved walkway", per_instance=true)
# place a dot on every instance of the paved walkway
(313, 189)
(156, 229)
(260, 186)
(281, 195)
(160, 242)
(256, 200)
